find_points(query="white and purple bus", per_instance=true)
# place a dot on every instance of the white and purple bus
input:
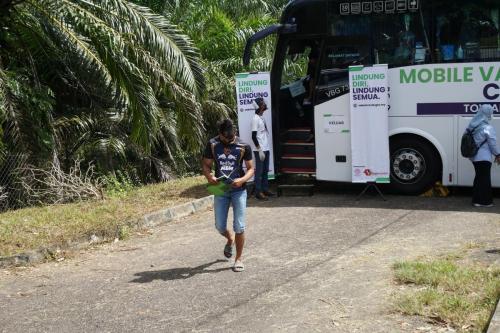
(444, 62)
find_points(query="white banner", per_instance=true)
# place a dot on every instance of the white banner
(250, 86)
(369, 124)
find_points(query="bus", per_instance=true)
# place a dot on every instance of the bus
(444, 63)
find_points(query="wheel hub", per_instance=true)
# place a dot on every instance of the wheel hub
(408, 165)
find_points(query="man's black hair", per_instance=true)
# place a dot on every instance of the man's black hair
(259, 101)
(226, 128)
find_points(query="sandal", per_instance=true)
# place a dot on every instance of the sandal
(228, 251)
(238, 266)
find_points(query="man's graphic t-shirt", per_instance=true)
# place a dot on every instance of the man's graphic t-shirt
(228, 158)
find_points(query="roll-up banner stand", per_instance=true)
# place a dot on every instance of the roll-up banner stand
(369, 98)
(250, 86)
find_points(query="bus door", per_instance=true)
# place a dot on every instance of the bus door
(332, 109)
(296, 95)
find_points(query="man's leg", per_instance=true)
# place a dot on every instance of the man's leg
(265, 172)
(221, 209)
(240, 242)
(229, 237)
(239, 200)
(258, 176)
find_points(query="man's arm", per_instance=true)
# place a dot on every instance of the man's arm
(238, 182)
(254, 139)
(207, 171)
(255, 127)
(207, 163)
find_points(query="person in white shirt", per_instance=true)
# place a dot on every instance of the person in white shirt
(260, 138)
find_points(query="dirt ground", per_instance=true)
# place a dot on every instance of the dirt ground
(313, 264)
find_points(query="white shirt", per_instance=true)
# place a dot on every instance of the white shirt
(259, 126)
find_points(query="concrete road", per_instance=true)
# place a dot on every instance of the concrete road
(313, 264)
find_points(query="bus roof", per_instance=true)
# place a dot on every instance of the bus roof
(309, 15)
(293, 4)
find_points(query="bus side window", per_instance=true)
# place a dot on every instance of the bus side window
(467, 31)
(400, 39)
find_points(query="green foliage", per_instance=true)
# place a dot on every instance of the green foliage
(27, 115)
(158, 6)
(119, 184)
(462, 296)
(100, 80)
(124, 232)
(189, 164)
(216, 42)
(121, 85)
(220, 29)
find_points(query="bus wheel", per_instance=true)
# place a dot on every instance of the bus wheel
(415, 165)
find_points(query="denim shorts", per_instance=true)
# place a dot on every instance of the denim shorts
(238, 199)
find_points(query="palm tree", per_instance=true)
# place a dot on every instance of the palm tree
(99, 79)
(220, 29)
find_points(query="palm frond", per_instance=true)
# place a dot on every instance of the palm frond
(4, 101)
(104, 148)
(173, 50)
(12, 118)
(214, 111)
(110, 50)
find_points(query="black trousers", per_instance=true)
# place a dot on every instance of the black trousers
(482, 193)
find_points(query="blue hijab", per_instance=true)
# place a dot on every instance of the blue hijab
(482, 117)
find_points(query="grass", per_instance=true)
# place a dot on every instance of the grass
(59, 225)
(443, 290)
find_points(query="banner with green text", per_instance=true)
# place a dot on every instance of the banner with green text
(250, 86)
(369, 124)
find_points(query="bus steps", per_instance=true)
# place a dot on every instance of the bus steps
(297, 190)
(296, 185)
(297, 163)
(298, 141)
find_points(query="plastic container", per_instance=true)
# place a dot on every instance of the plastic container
(419, 53)
(460, 52)
(448, 52)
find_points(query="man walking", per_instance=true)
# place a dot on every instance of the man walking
(228, 152)
(260, 138)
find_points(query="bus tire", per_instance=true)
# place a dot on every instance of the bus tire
(415, 165)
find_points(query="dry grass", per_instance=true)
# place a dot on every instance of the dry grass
(59, 225)
(444, 290)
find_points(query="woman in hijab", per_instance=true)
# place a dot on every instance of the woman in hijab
(486, 139)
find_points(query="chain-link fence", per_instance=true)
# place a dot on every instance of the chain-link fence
(12, 170)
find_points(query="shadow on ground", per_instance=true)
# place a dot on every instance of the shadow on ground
(342, 195)
(197, 191)
(331, 194)
(177, 273)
